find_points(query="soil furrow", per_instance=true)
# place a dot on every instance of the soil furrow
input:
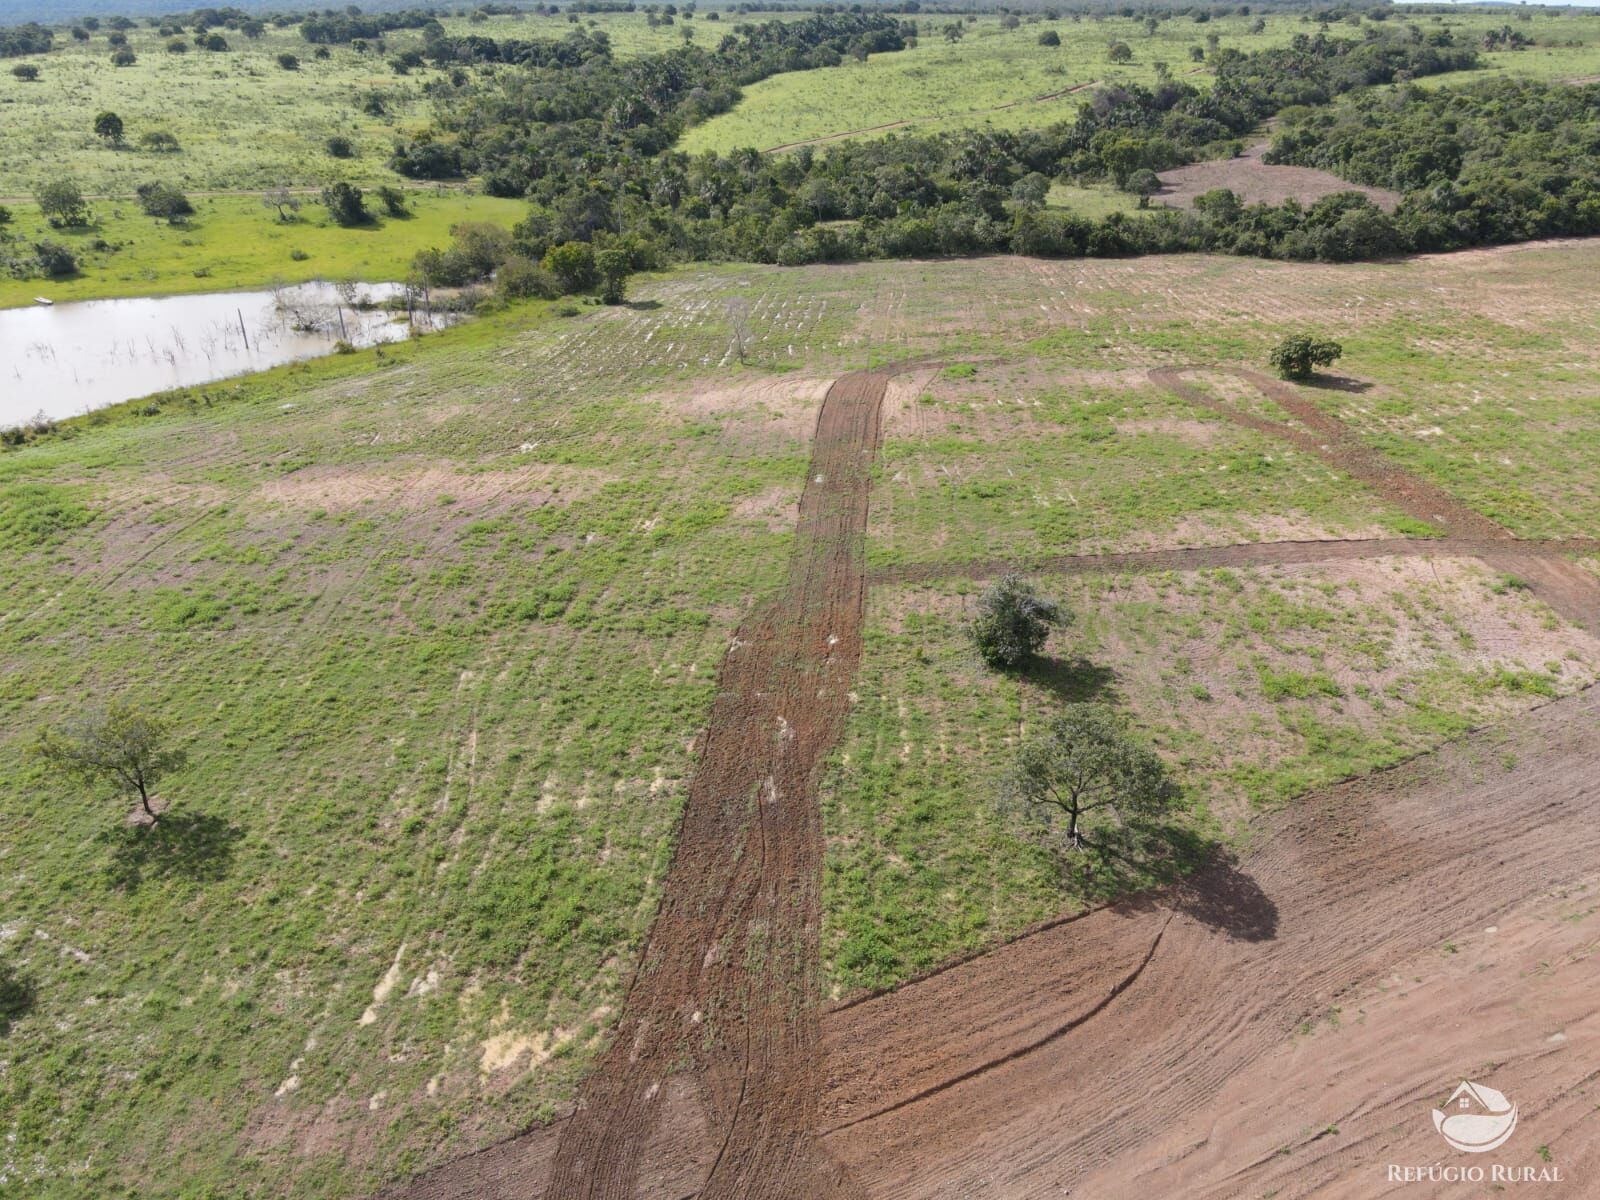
(727, 990)
(1521, 552)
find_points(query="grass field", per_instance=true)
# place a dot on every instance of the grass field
(234, 242)
(241, 120)
(440, 625)
(939, 85)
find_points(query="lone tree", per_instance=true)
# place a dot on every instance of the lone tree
(345, 204)
(1013, 622)
(1145, 183)
(1298, 356)
(284, 202)
(108, 128)
(26, 72)
(119, 745)
(1085, 768)
(614, 265)
(62, 203)
(1119, 52)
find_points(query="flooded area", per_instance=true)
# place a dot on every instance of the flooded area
(67, 359)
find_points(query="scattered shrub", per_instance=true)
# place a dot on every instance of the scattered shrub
(1013, 622)
(54, 259)
(1296, 357)
(520, 278)
(345, 204)
(164, 201)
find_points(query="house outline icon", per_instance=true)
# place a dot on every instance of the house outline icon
(1476, 1118)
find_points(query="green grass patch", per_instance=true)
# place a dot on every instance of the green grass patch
(234, 243)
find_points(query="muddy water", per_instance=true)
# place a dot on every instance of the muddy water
(71, 358)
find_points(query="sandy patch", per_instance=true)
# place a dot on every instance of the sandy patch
(382, 989)
(778, 507)
(1197, 433)
(1256, 182)
(782, 406)
(419, 486)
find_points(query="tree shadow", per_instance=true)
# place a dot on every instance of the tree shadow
(642, 305)
(1226, 899)
(1131, 865)
(17, 997)
(1071, 680)
(194, 846)
(1336, 383)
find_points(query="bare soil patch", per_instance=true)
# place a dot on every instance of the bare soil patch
(426, 487)
(778, 407)
(1076, 1053)
(1258, 182)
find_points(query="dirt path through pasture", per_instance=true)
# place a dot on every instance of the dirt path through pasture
(1525, 553)
(1563, 585)
(728, 985)
(1060, 1064)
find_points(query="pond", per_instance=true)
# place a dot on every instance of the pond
(70, 358)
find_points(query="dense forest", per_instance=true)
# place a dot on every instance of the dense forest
(591, 150)
(1498, 161)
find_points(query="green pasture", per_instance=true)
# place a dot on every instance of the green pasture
(235, 242)
(241, 120)
(998, 78)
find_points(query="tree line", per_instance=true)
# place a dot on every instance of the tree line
(591, 150)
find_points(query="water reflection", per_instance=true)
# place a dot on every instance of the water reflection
(68, 359)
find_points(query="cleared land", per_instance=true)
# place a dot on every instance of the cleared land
(1257, 182)
(489, 578)
(999, 78)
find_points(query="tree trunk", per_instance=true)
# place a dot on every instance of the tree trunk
(144, 799)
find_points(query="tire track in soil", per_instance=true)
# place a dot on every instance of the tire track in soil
(1027, 1072)
(728, 988)
(1564, 586)
(1199, 558)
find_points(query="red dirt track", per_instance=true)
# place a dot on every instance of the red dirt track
(1063, 1055)
(729, 977)
(1076, 1060)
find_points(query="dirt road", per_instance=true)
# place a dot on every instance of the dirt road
(729, 977)
(1058, 1065)
(1563, 585)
